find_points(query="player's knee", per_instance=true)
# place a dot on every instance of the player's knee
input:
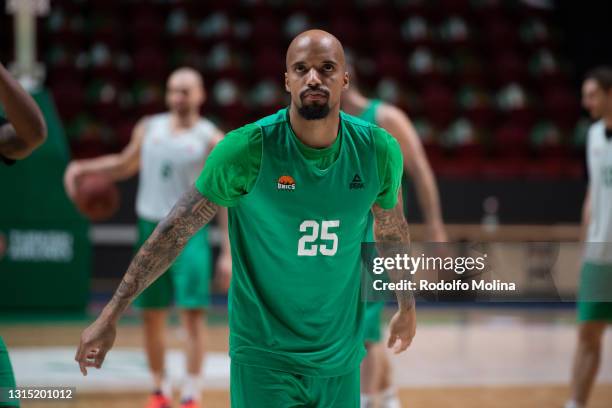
(193, 321)
(590, 337)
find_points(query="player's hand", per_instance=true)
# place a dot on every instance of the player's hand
(71, 175)
(223, 271)
(402, 329)
(96, 341)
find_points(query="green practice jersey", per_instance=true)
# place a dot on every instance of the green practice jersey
(369, 115)
(296, 233)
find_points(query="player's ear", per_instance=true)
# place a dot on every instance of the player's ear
(346, 81)
(287, 83)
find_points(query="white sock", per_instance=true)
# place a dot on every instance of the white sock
(573, 404)
(367, 400)
(166, 388)
(389, 399)
(191, 388)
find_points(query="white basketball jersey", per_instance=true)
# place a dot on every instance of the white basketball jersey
(170, 162)
(599, 160)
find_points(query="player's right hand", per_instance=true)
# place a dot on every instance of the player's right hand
(71, 175)
(96, 341)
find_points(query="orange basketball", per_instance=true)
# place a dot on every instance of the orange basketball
(97, 197)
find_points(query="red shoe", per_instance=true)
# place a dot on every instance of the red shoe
(189, 404)
(157, 400)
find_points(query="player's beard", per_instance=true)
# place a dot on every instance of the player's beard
(314, 111)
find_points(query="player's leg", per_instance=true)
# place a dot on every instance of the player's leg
(154, 302)
(191, 274)
(7, 379)
(257, 387)
(192, 321)
(334, 392)
(370, 376)
(593, 315)
(370, 367)
(386, 390)
(586, 361)
(154, 331)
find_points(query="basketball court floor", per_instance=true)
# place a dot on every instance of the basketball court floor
(461, 357)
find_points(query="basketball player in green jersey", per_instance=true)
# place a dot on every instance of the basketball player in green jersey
(168, 151)
(595, 310)
(21, 132)
(296, 316)
(376, 385)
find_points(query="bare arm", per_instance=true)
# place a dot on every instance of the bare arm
(400, 127)
(118, 166)
(586, 214)
(224, 262)
(190, 213)
(27, 129)
(222, 213)
(391, 233)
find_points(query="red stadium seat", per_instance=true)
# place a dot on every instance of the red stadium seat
(509, 67)
(511, 140)
(438, 104)
(562, 106)
(69, 98)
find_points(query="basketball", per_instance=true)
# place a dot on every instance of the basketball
(97, 197)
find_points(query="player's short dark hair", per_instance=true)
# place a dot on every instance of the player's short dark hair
(601, 75)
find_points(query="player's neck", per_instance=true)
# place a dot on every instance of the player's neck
(315, 133)
(354, 103)
(181, 122)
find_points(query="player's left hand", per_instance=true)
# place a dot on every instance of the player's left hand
(223, 271)
(402, 329)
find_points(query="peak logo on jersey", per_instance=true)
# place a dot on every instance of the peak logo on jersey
(285, 183)
(356, 183)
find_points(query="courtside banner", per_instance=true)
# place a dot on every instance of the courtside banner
(45, 252)
(488, 272)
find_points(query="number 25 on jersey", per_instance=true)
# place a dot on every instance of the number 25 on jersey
(306, 245)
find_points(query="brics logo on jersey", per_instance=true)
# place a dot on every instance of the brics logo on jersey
(285, 183)
(356, 183)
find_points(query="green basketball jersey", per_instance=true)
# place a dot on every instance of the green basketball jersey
(295, 237)
(369, 115)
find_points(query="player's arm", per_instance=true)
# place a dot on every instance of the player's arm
(416, 164)
(224, 179)
(190, 213)
(586, 214)
(119, 166)
(224, 261)
(391, 233)
(26, 129)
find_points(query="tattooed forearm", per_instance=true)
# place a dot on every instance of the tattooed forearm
(189, 214)
(391, 235)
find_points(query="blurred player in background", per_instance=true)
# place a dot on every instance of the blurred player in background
(21, 132)
(596, 275)
(376, 382)
(169, 151)
(296, 317)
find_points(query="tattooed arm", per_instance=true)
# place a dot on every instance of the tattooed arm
(391, 234)
(189, 214)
